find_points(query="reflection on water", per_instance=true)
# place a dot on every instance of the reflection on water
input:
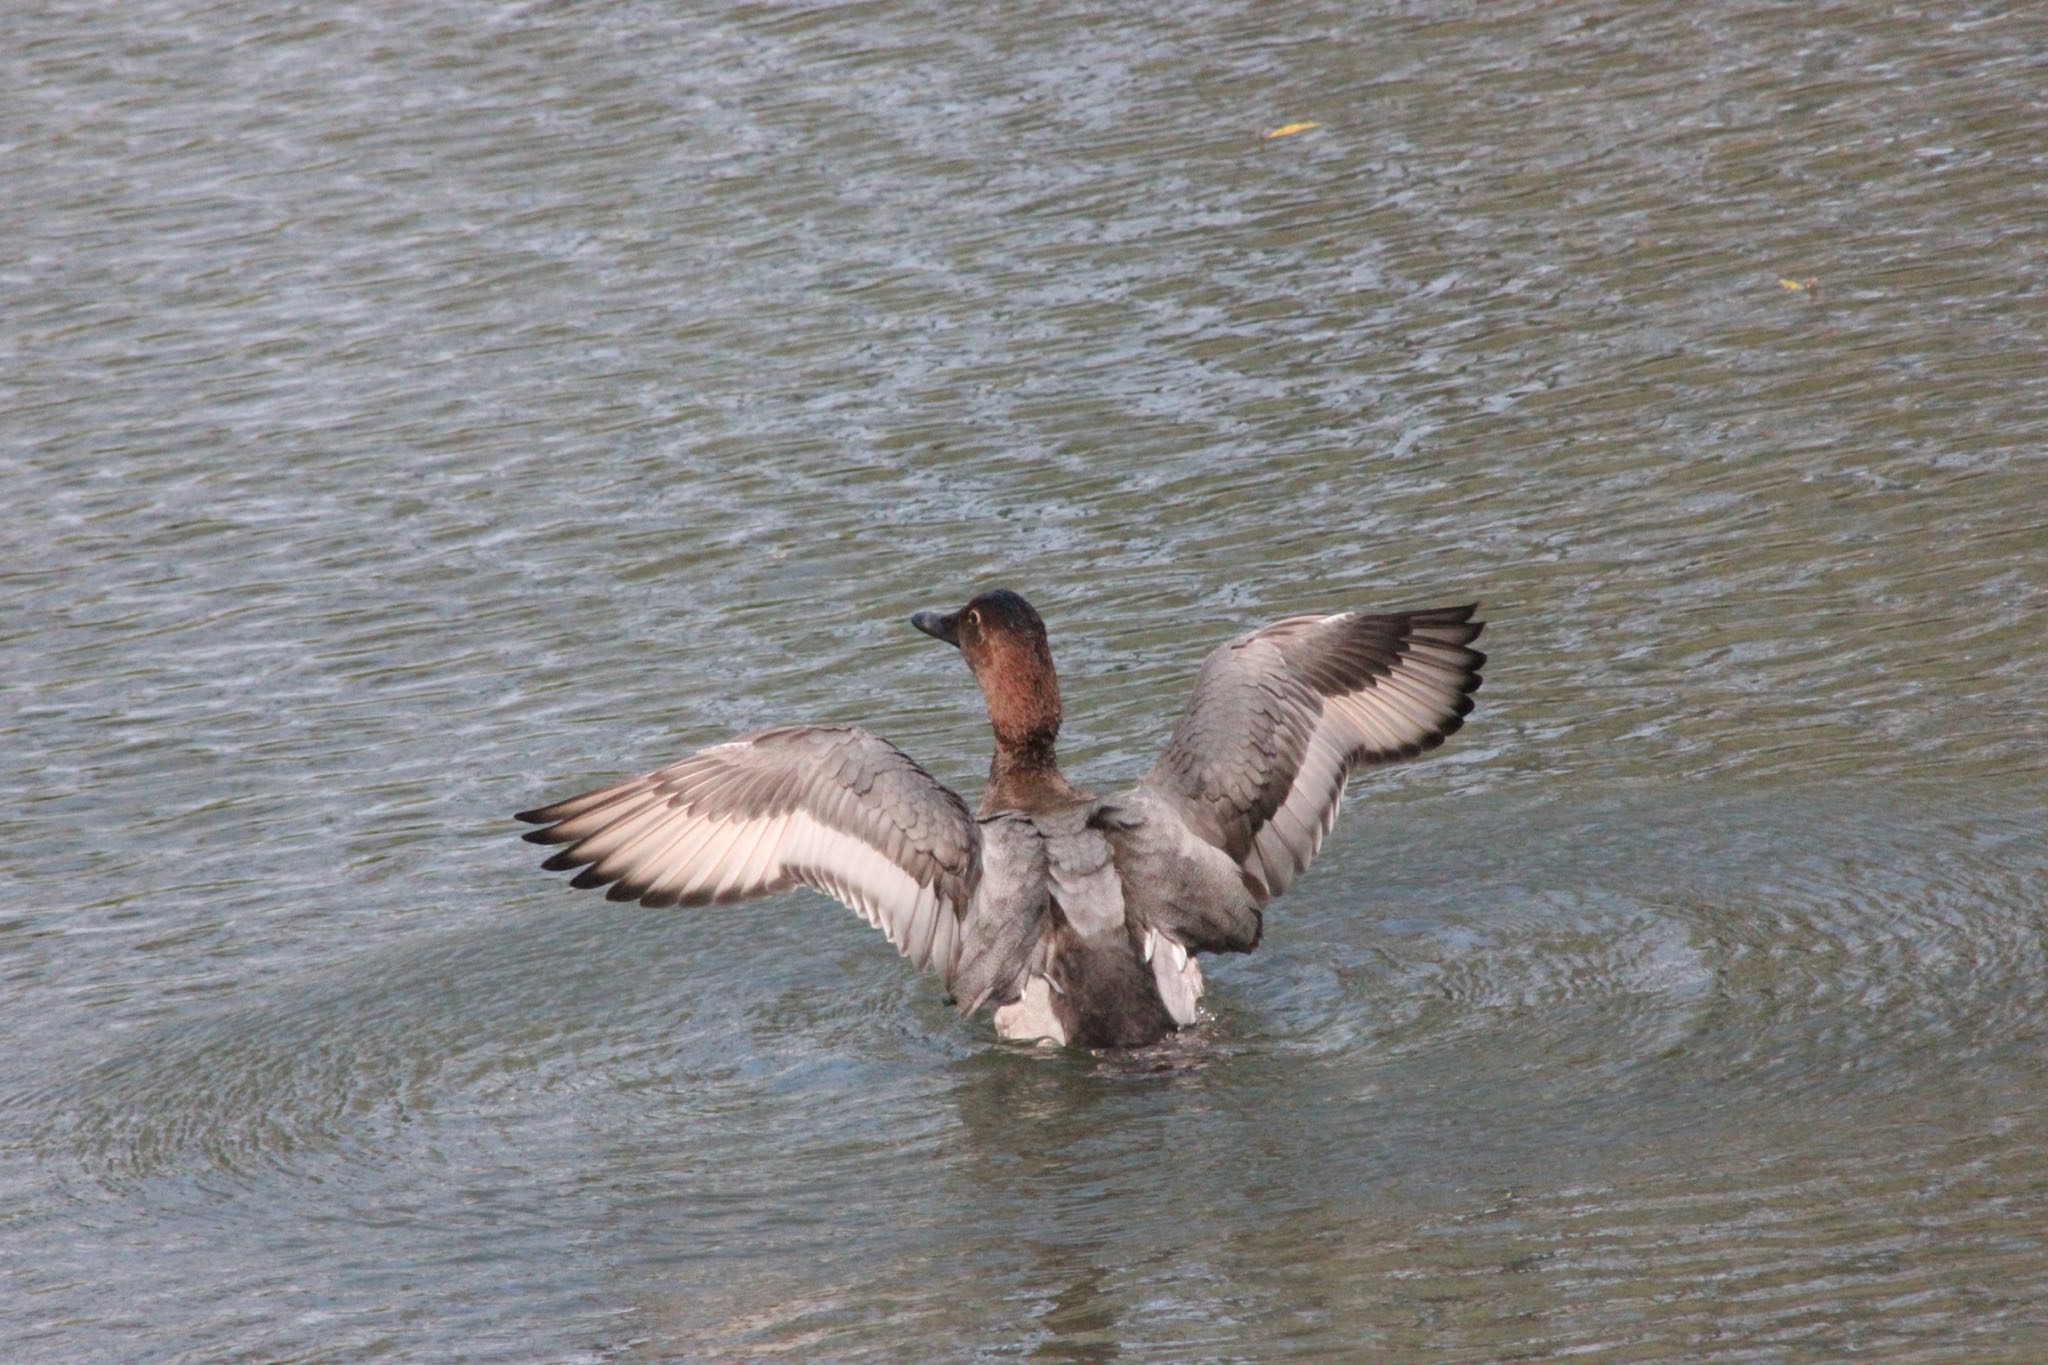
(404, 421)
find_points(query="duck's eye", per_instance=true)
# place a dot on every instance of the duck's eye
(974, 617)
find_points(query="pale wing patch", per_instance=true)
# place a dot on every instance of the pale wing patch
(1382, 720)
(1287, 843)
(681, 856)
(914, 916)
(743, 819)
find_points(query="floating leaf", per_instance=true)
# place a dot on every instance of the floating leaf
(1798, 286)
(1288, 130)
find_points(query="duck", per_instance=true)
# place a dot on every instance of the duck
(1078, 919)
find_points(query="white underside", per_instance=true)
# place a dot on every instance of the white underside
(1176, 975)
(1029, 1018)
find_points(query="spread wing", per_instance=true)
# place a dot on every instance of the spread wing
(837, 810)
(1281, 717)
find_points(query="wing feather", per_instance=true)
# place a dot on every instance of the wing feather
(835, 809)
(1281, 718)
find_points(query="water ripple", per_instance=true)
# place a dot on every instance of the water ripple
(403, 421)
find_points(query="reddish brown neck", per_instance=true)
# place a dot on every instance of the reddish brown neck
(1023, 695)
(1025, 777)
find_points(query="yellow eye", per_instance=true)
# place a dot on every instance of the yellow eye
(974, 617)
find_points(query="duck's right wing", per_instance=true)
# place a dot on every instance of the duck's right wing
(1281, 717)
(837, 810)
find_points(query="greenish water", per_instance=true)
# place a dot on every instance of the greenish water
(409, 415)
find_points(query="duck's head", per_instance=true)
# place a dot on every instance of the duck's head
(1003, 640)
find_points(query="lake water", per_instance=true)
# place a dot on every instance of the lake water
(408, 414)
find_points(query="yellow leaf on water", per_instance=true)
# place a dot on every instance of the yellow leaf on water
(1289, 129)
(1798, 286)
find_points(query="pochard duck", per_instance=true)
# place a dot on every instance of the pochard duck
(1078, 917)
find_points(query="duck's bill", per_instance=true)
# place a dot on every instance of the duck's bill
(940, 625)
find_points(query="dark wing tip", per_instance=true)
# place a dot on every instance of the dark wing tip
(1446, 616)
(1474, 679)
(1449, 625)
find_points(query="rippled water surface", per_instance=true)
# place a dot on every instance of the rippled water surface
(407, 414)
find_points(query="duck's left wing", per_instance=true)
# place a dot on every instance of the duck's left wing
(1280, 718)
(835, 809)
